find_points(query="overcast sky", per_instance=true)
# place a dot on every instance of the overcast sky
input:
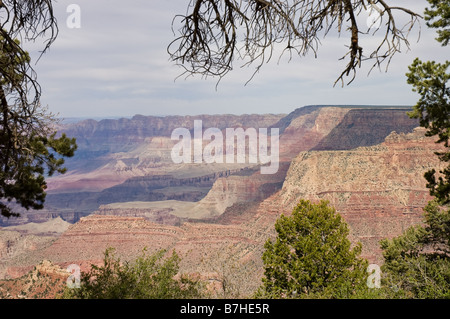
(116, 64)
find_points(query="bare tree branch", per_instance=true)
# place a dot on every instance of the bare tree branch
(215, 33)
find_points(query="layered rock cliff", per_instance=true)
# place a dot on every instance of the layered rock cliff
(348, 156)
(379, 190)
(141, 173)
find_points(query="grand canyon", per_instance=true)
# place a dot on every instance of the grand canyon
(123, 190)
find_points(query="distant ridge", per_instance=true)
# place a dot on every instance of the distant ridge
(358, 106)
(307, 109)
(70, 120)
(55, 225)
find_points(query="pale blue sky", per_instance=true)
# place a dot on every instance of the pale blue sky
(116, 64)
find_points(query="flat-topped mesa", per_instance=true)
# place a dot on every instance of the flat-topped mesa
(160, 215)
(89, 238)
(339, 128)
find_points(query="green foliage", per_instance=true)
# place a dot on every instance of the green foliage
(417, 263)
(23, 177)
(430, 80)
(147, 277)
(29, 149)
(312, 257)
(12, 61)
(439, 17)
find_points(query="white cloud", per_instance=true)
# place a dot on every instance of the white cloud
(117, 64)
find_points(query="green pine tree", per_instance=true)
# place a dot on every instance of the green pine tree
(29, 147)
(430, 80)
(417, 263)
(311, 257)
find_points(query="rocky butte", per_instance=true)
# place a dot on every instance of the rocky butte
(368, 161)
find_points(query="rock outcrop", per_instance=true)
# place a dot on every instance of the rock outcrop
(44, 281)
(379, 190)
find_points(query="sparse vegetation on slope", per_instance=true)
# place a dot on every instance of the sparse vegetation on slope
(150, 276)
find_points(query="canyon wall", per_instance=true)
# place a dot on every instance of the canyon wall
(379, 190)
(349, 156)
(137, 177)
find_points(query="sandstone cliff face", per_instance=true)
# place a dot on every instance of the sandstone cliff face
(307, 129)
(379, 190)
(231, 190)
(135, 154)
(19, 252)
(339, 128)
(365, 127)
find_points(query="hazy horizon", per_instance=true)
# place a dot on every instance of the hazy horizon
(116, 64)
(71, 119)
